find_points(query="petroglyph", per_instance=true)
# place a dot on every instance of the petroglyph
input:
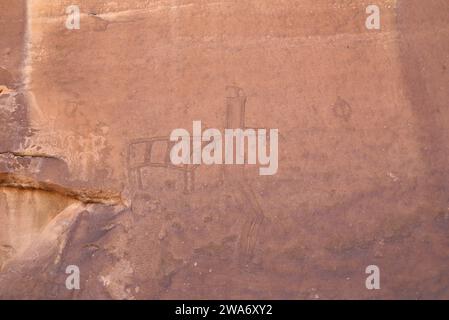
(79, 152)
(142, 154)
(235, 178)
(342, 109)
(363, 161)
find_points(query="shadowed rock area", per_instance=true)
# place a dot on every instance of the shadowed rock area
(363, 156)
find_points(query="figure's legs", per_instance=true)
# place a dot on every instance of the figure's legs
(255, 217)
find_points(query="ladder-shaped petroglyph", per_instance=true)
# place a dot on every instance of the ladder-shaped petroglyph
(154, 153)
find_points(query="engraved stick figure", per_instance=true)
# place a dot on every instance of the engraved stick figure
(234, 177)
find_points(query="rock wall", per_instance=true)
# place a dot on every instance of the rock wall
(362, 180)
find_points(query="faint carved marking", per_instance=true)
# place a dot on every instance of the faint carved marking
(6, 252)
(235, 118)
(80, 152)
(342, 109)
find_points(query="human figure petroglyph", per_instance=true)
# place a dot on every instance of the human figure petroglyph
(235, 178)
(140, 156)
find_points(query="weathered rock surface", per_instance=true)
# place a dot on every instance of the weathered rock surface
(363, 155)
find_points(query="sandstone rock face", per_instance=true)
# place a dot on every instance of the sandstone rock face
(363, 155)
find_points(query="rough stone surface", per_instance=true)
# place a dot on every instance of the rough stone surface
(363, 155)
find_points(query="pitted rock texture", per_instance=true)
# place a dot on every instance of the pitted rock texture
(363, 153)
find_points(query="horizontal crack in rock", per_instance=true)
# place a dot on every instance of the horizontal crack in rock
(28, 155)
(4, 90)
(12, 180)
